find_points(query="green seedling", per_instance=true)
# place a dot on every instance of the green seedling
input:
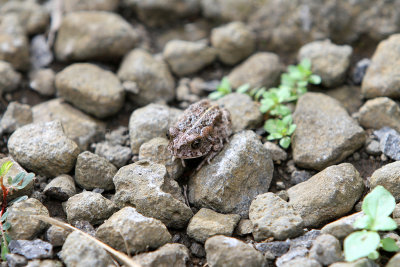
(20, 181)
(223, 89)
(377, 206)
(280, 129)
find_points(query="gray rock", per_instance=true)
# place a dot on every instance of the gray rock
(273, 249)
(261, 69)
(228, 10)
(186, 57)
(43, 148)
(292, 255)
(89, 206)
(273, 217)
(306, 240)
(79, 251)
(297, 177)
(234, 42)
(31, 249)
(389, 144)
(379, 79)
(56, 235)
(197, 250)
(151, 76)
(78, 126)
(149, 122)
(93, 171)
(176, 255)
(394, 261)
(128, 229)
(33, 17)
(219, 185)
(360, 70)
(15, 116)
(389, 177)
(244, 227)
(349, 96)
(342, 227)
(328, 60)
(62, 187)
(228, 251)
(373, 148)
(23, 226)
(119, 136)
(42, 81)
(358, 263)
(207, 223)
(41, 54)
(326, 250)
(94, 35)
(380, 134)
(327, 195)
(325, 133)
(116, 154)
(147, 187)
(301, 261)
(44, 263)
(9, 78)
(245, 113)
(156, 150)
(99, 5)
(91, 89)
(15, 260)
(277, 153)
(380, 112)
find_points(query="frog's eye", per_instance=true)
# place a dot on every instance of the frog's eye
(196, 144)
(167, 134)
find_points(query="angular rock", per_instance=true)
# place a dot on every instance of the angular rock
(360, 70)
(380, 77)
(387, 176)
(176, 255)
(277, 153)
(43, 148)
(42, 81)
(219, 185)
(326, 250)
(116, 154)
(245, 113)
(228, 251)
(156, 150)
(186, 57)
(23, 226)
(394, 261)
(15, 116)
(325, 133)
(389, 143)
(342, 227)
(261, 69)
(380, 112)
(206, 223)
(56, 235)
(93, 171)
(78, 126)
(301, 261)
(233, 10)
(372, 148)
(41, 54)
(358, 263)
(139, 233)
(89, 206)
(328, 60)
(273, 217)
(149, 75)
(9, 78)
(31, 249)
(327, 195)
(62, 187)
(149, 122)
(233, 41)
(14, 260)
(244, 227)
(78, 250)
(197, 250)
(147, 187)
(94, 35)
(99, 5)
(349, 96)
(45, 263)
(274, 249)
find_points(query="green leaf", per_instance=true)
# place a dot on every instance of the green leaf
(18, 199)
(8, 237)
(302, 84)
(18, 178)
(259, 93)
(383, 224)
(4, 250)
(266, 105)
(215, 95)
(363, 222)
(305, 63)
(26, 181)
(243, 88)
(4, 216)
(360, 244)
(225, 86)
(287, 80)
(389, 244)
(287, 120)
(280, 110)
(378, 203)
(5, 167)
(6, 226)
(315, 79)
(285, 142)
(291, 129)
(374, 255)
(9, 180)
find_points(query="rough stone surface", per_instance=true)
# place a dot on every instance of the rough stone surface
(156, 150)
(24, 227)
(9, 78)
(78, 126)
(325, 133)
(326, 250)
(244, 227)
(176, 255)
(42, 81)
(327, 195)
(228, 10)
(245, 113)
(186, 57)
(273, 217)
(89, 206)
(43, 148)
(219, 185)
(147, 187)
(94, 35)
(372, 148)
(228, 251)
(277, 153)
(62, 187)
(380, 77)
(128, 228)
(206, 223)
(358, 263)
(328, 60)
(116, 154)
(31, 249)
(342, 227)
(233, 42)
(149, 75)
(349, 96)
(93, 171)
(78, 250)
(56, 235)
(15, 260)
(261, 69)
(387, 176)
(380, 112)
(301, 261)
(149, 122)
(273, 249)
(45, 263)
(15, 116)
(80, 5)
(394, 261)
(389, 143)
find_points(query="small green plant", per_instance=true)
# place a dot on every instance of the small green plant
(377, 206)
(20, 181)
(280, 129)
(223, 89)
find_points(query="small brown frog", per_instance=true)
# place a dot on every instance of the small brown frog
(201, 131)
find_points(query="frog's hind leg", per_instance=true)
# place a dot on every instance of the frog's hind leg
(207, 159)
